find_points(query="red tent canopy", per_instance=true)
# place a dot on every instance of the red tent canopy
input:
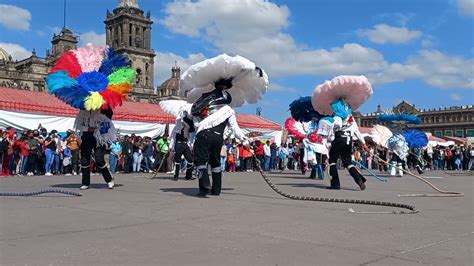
(456, 140)
(43, 103)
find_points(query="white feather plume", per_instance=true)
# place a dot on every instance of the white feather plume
(247, 84)
(175, 107)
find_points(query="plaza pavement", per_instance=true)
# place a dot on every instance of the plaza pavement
(161, 222)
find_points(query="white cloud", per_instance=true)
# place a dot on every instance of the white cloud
(400, 18)
(91, 37)
(255, 29)
(466, 7)
(433, 67)
(383, 33)
(426, 43)
(455, 97)
(17, 52)
(280, 88)
(15, 18)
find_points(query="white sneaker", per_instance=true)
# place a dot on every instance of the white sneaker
(170, 172)
(74, 173)
(111, 185)
(48, 174)
(150, 171)
(68, 174)
(84, 187)
(30, 174)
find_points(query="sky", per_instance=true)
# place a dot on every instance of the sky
(420, 51)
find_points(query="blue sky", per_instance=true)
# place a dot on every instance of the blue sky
(420, 51)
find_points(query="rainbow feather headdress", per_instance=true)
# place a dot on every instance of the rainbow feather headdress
(91, 78)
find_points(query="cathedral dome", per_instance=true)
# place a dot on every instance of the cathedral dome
(4, 55)
(170, 87)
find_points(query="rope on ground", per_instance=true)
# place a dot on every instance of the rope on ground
(443, 192)
(28, 194)
(411, 209)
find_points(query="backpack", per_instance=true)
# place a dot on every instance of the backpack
(448, 153)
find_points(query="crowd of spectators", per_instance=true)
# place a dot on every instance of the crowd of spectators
(43, 152)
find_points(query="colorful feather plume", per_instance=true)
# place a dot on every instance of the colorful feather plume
(302, 109)
(92, 78)
(295, 128)
(399, 119)
(415, 138)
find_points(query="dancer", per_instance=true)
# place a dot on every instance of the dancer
(398, 143)
(181, 136)
(214, 86)
(94, 80)
(315, 135)
(338, 97)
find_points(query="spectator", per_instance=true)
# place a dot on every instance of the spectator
(50, 144)
(34, 149)
(259, 152)
(162, 147)
(24, 154)
(267, 153)
(148, 152)
(137, 154)
(127, 150)
(73, 142)
(223, 155)
(273, 156)
(115, 153)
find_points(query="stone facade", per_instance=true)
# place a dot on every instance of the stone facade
(30, 73)
(456, 121)
(128, 30)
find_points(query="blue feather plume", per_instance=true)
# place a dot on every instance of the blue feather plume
(113, 62)
(415, 138)
(59, 80)
(399, 119)
(302, 109)
(74, 96)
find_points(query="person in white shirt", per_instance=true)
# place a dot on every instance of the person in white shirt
(267, 155)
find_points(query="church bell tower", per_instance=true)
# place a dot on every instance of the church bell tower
(128, 31)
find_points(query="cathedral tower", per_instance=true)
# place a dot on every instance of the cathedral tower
(128, 30)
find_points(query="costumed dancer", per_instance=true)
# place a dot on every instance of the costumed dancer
(316, 132)
(181, 136)
(94, 80)
(337, 97)
(214, 86)
(401, 141)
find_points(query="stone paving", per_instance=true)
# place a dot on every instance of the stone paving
(161, 222)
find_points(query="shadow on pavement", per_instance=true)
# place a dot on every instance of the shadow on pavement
(78, 185)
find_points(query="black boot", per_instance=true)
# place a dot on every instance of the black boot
(189, 171)
(334, 178)
(418, 168)
(313, 173)
(358, 178)
(86, 176)
(176, 171)
(216, 184)
(204, 183)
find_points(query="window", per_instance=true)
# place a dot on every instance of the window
(470, 133)
(448, 133)
(438, 133)
(459, 133)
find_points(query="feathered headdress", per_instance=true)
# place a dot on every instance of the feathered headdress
(415, 138)
(243, 80)
(399, 119)
(302, 109)
(91, 78)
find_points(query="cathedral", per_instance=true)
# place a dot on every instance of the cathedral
(128, 30)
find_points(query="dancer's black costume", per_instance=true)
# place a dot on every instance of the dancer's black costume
(180, 142)
(214, 115)
(341, 146)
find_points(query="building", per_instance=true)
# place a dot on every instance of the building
(30, 73)
(128, 30)
(456, 121)
(168, 90)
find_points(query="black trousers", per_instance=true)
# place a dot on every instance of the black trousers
(341, 147)
(182, 148)
(74, 159)
(88, 145)
(206, 150)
